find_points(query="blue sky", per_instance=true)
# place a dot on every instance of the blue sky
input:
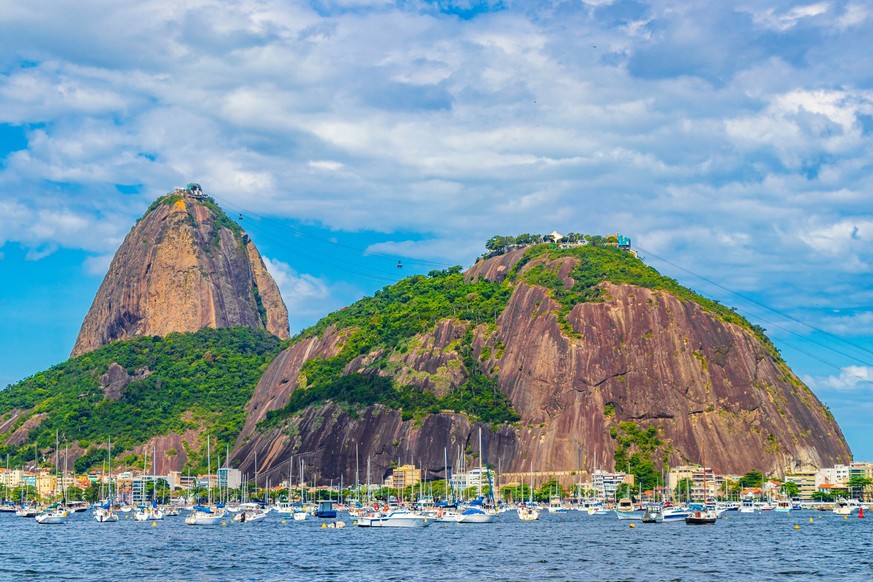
(731, 141)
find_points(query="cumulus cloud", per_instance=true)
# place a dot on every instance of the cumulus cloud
(850, 378)
(733, 139)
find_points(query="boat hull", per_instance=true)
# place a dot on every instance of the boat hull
(405, 521)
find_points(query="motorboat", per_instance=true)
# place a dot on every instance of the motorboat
(846, 506)
(476, 515)
(325, 509)
(653, 514)
(27, 511)
(701, 516)
(203, 516)
(674, 514)
(626, 510)
(398, 518)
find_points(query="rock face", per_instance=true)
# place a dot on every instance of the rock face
(640, 356)
(183, 267)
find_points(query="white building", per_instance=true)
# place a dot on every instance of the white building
(229, 478)
(606, 483)
(472, 478)
(838, 475)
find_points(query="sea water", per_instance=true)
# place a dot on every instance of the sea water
(571, 546)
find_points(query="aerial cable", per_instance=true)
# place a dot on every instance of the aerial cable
(762, 305)
(243, 211)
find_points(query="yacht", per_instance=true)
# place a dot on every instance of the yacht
(397, 518)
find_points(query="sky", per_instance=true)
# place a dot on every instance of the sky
(730, 140)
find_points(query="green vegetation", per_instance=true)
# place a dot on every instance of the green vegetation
(598, 263)
(752, 479)
(386, 322)
(414, 305)
(479, 397)
(634, 449)
(202, 378)
(790, 489)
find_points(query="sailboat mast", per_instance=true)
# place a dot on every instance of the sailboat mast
(480, 463)
(208, 468)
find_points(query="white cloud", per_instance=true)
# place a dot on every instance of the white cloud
(733, 139)
(850, 378)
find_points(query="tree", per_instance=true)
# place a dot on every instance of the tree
(752, 479)
(858, 484)
(790, 489)
(682, 492)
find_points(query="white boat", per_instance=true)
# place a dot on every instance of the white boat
(299, 514)
(105, 515)
(52, 516)
(783, 506)
(626, 510)
(149, 514)
(846, 506)
(199, 517)
(599, 510)
(555, 505)
(748, 506)
(528, 513)
(27, 511)
(653, 514)
(674, 514)
(476, 515)
(399, 518)
(249, 516)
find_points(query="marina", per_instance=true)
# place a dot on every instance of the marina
(562, 546)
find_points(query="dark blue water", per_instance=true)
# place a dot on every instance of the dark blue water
(573, 546)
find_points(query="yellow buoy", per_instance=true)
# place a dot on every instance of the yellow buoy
(224, 523)
(811, 520)
(324, 525)
(632, 526)
(845, 517)
(796, 526)
(283, 521)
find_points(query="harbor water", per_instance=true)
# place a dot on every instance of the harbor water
(571, 546)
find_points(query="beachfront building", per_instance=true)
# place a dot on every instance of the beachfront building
(404, 476)
(696, 474)
(805, 481)
(11, 478)
(836, 476)
(229, 478)
(606, 483)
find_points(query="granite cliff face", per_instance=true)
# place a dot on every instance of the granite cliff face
(185, 266)
(580, 376)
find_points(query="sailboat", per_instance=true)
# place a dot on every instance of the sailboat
(477, 511)
(529, 512)
(702, 515)
(104, 513)
(57, 513)
(206, 515)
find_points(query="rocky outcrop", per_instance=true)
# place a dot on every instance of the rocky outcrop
(116, 379)
(183, 267)
(639, 356)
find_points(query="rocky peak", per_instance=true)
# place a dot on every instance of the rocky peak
(183, 267)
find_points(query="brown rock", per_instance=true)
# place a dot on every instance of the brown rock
(640, 355)
(180, 269)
